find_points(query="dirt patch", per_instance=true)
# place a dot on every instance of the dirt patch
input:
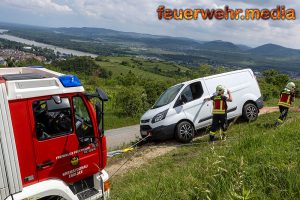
(137, 158)
(266, 110)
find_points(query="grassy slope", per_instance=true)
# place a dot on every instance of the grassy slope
(259, 162)
(114, 64)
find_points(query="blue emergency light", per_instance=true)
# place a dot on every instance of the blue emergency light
(70, 81)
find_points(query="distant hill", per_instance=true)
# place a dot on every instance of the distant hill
(274, 50)
(243, 47)
(138, 39)
(190, 52)
(220, 45)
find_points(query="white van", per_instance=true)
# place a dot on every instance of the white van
(180, 110)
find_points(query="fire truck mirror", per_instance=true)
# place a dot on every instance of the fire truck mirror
(102, 95)
(98, 113)
(53, 104)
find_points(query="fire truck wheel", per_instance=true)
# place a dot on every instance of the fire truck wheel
(184, 132)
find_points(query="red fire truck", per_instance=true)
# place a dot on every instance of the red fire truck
(52, 144)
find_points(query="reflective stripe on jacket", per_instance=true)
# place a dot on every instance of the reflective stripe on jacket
(285, 99)
(219, 105)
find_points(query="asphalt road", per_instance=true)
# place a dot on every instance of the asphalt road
(122, 136)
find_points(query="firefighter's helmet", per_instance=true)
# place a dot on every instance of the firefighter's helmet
(220, 89)
(290, 86)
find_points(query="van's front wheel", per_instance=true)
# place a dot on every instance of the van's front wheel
(250, 112)
(184, 132)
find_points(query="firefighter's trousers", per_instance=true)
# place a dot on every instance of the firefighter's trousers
(283, 113)
(219, 121)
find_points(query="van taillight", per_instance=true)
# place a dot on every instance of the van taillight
(103, 152)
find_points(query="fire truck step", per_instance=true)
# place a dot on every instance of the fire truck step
(87, 193)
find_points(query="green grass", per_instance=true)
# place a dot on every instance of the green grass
(256, 162)
(114, 64)
(112, 121)
(140, 67)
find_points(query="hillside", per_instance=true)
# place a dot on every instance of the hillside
(274, 50)
(255, 162)
(220, 46)
(157, 70)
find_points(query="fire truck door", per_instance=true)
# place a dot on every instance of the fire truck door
(61, 148)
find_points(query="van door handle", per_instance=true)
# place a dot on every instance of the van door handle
(45, 164)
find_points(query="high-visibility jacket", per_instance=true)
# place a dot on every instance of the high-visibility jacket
(219, 105)
(286, 99)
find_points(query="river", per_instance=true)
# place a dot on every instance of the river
(43, 45)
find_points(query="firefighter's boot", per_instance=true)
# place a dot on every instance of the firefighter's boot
(212, 136)
(279, 122)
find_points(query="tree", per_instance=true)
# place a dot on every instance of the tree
(10, 62)
(83, 64)
(154, 89)
(220, 69)
(276, 78)
(271, 83)
(131, 101)
(128, 79)
(205, 70)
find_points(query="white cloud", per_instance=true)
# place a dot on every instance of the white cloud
(39, 6)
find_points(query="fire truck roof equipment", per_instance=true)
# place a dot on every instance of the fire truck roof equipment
(28, 82)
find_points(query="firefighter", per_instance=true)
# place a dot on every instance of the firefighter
(219, 112)
(286, 98)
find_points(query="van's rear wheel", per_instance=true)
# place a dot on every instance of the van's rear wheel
(250, 112)
(184, 132)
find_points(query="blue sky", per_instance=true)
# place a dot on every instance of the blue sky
(140, 16)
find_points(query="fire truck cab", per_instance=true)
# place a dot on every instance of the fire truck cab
(51, 137)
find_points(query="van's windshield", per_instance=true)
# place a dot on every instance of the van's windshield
(168, 96)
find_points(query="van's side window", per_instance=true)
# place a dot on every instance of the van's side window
(83, 122)
(52, 120)
(193, 91)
